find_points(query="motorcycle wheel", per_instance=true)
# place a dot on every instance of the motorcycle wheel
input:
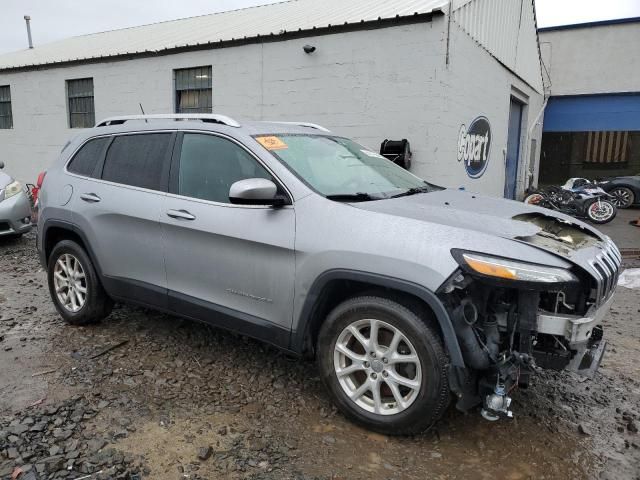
(534, 199)
(601, 212)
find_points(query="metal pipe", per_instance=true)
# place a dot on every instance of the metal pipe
(27, 19)
(528, 171)
(464, 316)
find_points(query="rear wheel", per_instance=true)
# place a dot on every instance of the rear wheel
(623, 197)
(601, 211)
(74, 285)
(383, 365)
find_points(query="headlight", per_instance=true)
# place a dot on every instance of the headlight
(506, 269)
(12, 189)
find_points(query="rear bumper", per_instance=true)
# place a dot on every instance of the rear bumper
(15, 215)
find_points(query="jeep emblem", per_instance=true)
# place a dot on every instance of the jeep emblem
(474, 146)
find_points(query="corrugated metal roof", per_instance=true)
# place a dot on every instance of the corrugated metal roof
(507, 30)
(251, 22)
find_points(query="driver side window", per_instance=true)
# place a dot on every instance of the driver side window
(209, 165)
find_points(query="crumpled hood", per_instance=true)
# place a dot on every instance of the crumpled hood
(543, 228)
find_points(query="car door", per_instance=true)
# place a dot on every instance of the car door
(118, 212)
(232, 265)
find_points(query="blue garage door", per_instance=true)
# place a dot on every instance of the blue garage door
(593, 113)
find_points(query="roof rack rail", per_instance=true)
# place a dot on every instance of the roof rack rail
(204, 117)
(306, 124)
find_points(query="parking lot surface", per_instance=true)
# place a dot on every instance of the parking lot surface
(146, 395)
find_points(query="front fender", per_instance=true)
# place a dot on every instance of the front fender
(302, 326)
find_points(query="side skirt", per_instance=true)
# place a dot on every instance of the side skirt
(191, 308)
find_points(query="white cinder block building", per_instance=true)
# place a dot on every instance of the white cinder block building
(460, 79)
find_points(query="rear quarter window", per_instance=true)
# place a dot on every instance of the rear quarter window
(85, 160)
(138, 160)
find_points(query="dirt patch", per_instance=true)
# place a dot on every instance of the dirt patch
(183, 400)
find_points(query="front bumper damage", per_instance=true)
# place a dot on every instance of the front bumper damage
(508, 334)
(583, 336)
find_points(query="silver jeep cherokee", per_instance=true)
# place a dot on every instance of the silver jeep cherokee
(402, 291)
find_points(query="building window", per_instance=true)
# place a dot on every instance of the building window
(6, 118)
(81, 110)
(193, 90)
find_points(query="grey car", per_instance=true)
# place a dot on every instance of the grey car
(406, 294)
(15, 207)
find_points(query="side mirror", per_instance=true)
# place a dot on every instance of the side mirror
(1, 164)
(256, 191)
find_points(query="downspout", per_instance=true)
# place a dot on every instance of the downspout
(448, 33)
(536, 122)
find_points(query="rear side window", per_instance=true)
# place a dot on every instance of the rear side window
(85, 160)
(209, 165)
(137, 160)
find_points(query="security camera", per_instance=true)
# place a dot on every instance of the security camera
(309, 49)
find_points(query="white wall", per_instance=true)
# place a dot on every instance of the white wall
(597, 59)
(369, 85)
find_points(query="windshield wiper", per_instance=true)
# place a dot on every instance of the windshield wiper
(412, 191)
(352, 197)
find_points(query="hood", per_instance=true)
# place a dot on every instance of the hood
(543, 228)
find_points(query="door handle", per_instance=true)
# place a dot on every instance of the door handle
(90, 197)
(181, 214)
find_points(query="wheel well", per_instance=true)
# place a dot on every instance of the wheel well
(54, 235)
(337, 291)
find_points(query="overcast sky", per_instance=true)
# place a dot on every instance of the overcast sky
(55, 19)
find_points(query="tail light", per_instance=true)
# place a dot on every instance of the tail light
(36, 190)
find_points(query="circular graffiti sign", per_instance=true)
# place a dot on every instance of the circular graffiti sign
(474, 145)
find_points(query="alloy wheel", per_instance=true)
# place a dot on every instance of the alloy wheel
(622, 197)
(601, 211)
(70, 283)
(377, 367)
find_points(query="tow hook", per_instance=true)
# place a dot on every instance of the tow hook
(496, 405)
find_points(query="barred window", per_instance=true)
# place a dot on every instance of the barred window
(6, 118)
(81, 109)
(193, 90)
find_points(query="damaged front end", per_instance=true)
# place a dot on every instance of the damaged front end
(512, 318)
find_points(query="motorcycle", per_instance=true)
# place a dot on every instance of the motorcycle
(579, 198)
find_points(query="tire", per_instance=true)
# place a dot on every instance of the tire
(623, 197)
(607, 213)
(97, 304)
(424, 402)
(534, 199)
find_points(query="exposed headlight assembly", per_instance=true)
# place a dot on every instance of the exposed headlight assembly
(507, 269)
(12, 189)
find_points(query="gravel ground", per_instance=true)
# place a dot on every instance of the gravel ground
(146, 395)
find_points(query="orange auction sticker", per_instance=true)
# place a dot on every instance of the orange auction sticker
(272, 143)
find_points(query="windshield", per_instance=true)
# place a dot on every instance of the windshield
(338, 167)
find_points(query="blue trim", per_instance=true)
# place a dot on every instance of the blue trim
(599, 23)
(593, 113)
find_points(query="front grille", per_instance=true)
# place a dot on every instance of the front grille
(4, 227)
(606, 268)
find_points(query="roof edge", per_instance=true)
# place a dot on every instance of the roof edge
(272, 37)
(599, 23)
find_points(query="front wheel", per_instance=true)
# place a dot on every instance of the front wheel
(601, 211)
(385, 367)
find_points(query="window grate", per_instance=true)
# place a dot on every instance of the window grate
(80, 99)
(194, 90)
(6, 116)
